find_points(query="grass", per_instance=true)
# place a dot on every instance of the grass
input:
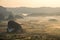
(39, 29)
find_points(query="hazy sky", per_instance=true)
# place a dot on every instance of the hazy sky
(30, 3)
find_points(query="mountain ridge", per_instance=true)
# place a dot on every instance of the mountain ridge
(34, 11)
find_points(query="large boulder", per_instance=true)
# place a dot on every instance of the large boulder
(14, 27)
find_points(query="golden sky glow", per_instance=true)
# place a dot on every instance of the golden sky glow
(30, 3)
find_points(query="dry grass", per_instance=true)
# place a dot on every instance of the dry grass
(41, 25)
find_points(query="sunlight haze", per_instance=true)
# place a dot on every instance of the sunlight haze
(30, 3)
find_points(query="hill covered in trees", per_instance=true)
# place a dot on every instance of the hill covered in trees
(4, 13)
(36, 11)
(48, 11)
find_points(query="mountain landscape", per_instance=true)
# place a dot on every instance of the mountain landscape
(31, 11)
(36, 11)
(41, 23)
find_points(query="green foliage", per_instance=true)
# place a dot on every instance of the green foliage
(1, 17)
(10, 17)
(53, 20)
(18, 16)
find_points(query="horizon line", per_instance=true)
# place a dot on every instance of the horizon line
(30, 7)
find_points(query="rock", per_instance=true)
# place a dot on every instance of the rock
(14, 27)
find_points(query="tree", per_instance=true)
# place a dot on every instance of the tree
(54, 20)
(18, 16)
(10, 17)
(1, 17)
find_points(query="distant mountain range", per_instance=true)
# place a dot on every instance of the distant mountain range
(35, 11)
